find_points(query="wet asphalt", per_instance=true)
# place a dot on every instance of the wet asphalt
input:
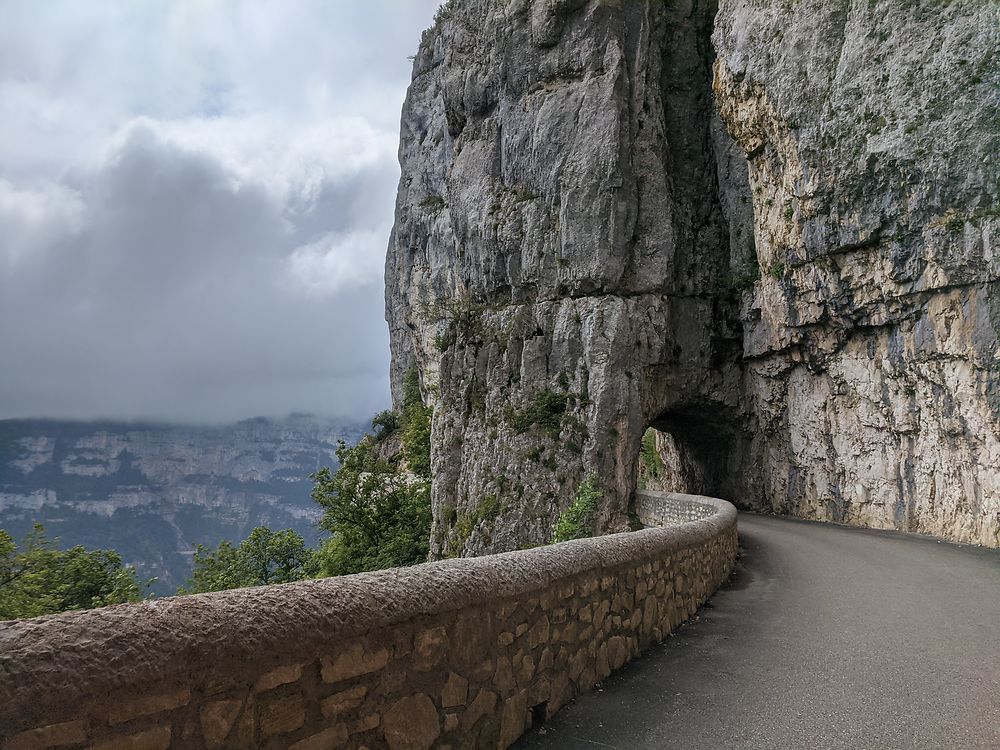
(826, 638)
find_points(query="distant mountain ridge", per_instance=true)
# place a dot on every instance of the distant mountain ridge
(154, 491)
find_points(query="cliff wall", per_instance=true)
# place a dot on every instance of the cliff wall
(764, 228)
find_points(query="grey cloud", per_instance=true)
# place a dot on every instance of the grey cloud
(160, 263)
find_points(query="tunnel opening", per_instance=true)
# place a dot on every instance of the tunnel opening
(692, 450)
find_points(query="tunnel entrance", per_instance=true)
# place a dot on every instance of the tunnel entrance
(693, 451)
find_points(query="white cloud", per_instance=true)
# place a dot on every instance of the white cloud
(339, 261)
(31, 219)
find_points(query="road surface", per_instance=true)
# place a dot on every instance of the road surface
(826, 638)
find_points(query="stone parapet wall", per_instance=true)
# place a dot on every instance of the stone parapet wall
(457, 653)
(655, 508)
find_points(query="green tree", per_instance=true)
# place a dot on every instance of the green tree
(379, 516)
(41, 579)
(577, 521)
(262, 558)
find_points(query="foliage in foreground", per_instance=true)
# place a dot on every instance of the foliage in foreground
(40, 579)
(577, 521)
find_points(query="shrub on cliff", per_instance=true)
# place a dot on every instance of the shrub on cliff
(40, 579)
(416, 424)
(379, 516)
(577, 521)
(651, 466)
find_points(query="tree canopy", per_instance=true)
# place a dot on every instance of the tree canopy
(264, 557)
(38, 578)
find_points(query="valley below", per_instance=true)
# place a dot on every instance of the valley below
(154, 492)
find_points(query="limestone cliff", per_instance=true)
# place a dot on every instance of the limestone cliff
(765, 228)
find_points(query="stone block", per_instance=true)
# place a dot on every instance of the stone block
(503, 678)
(429, 647)
(53, 735)
(484, 704)
(276, 677)
(545, 661)
(513, 718)
(472, 637)
(455, 691)
(540, 691)
(217, 719)
(282, 716)
(601, 612)
(328, 739)
(366, 723)
(617, 651)
(352, 661)
(560, 693)
(157, 738)
(525, 670)
(539, 632)
(569, 633)
(483, 671)
(603, 665)
(412, 723)
(344, 701)
(121, 711)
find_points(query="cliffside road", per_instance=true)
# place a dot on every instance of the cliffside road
(827, 637)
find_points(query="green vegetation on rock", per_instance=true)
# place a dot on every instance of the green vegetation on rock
(651, 466)
(577, 521)
(545, 410)
(416, 424)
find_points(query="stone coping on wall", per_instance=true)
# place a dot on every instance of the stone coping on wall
(55, 670)
(658, 508)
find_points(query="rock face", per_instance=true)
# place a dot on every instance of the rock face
(764, 228)
(872, 367)
(152, 492)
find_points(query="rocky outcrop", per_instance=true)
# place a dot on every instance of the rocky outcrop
(763, 228)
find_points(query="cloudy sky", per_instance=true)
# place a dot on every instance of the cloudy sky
(195, 201)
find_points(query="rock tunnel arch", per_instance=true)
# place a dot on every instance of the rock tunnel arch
(692, 449)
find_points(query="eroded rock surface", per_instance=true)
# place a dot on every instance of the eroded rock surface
(764, 228)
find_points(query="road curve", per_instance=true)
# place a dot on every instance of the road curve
(827, 638)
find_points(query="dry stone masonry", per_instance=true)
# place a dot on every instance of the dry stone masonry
(767, 228)
(452, 654)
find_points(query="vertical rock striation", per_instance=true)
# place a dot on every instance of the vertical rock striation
(776, 250)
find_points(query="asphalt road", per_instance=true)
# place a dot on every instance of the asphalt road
(825, 638)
